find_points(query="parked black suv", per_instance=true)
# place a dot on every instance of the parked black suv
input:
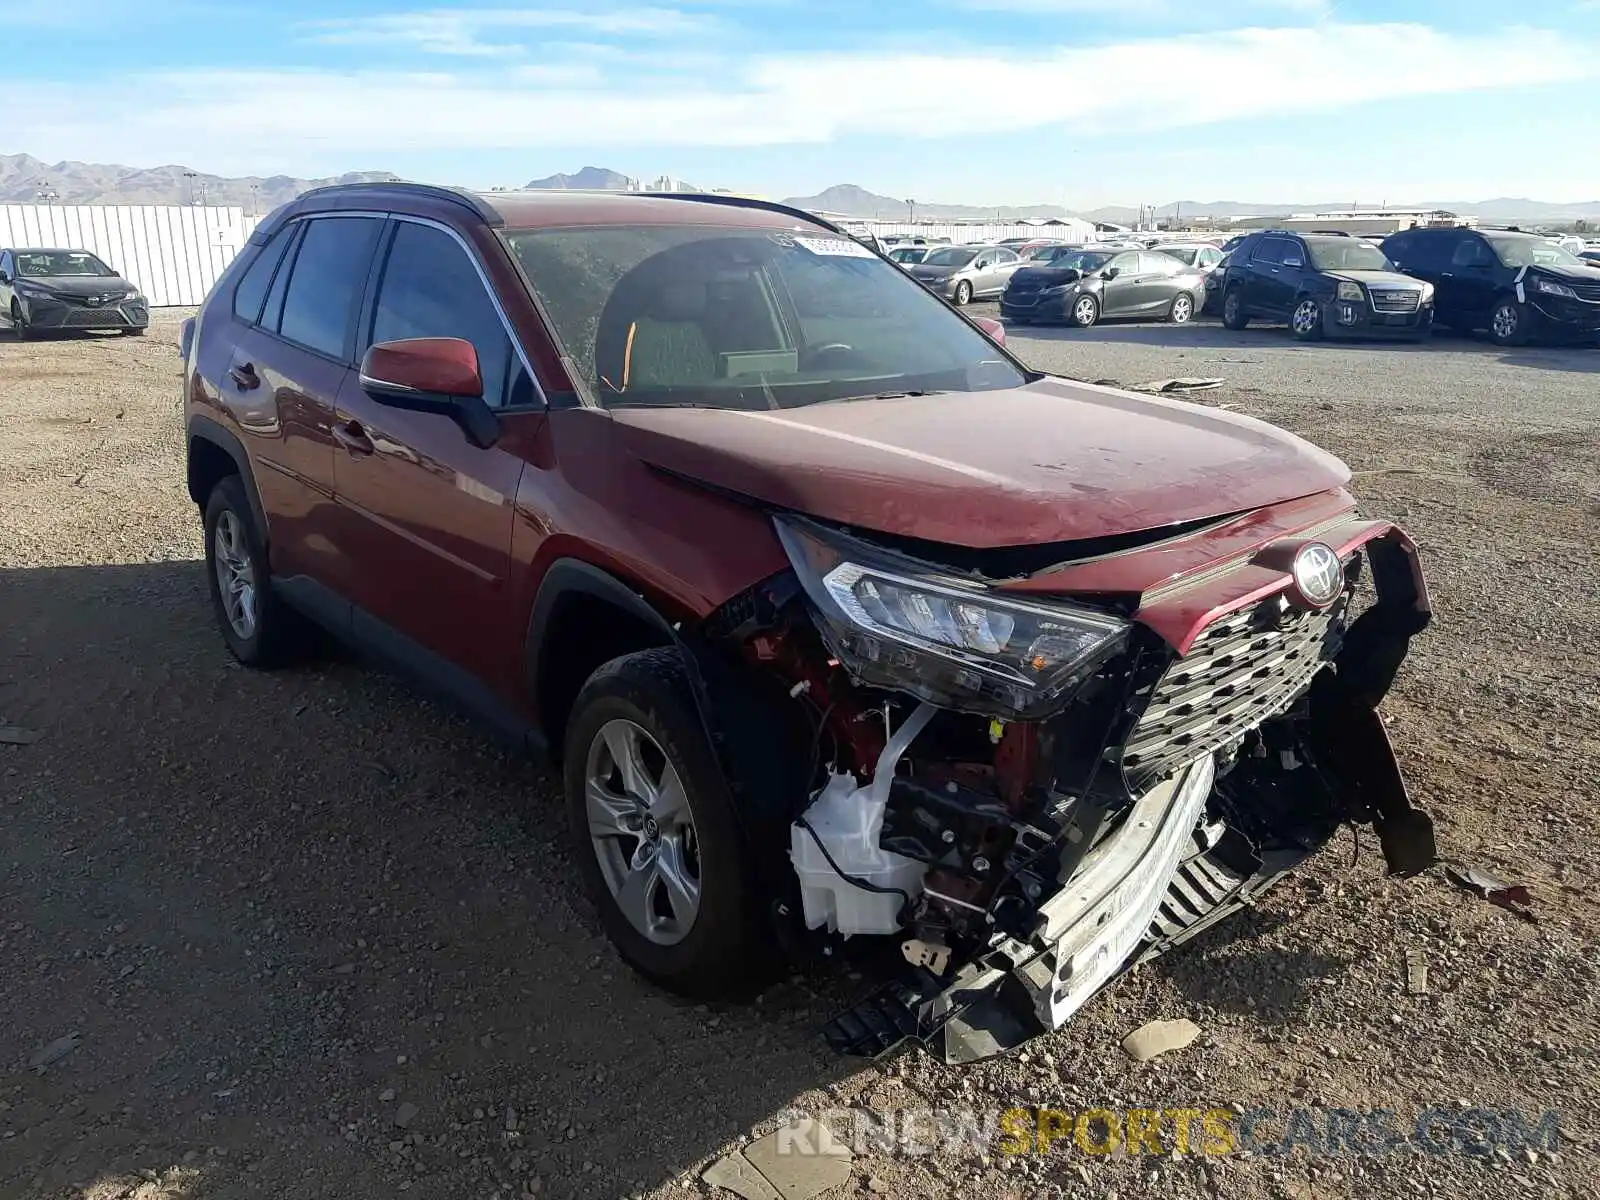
(1516, 285)
(1322, 284)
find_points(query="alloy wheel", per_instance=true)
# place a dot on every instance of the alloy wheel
(1084, 311)
(642, 831)
(236, 574)
(1504, 322)
(1306, 316)
(1182, 310)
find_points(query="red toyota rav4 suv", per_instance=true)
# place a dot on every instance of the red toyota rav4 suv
(845, 628)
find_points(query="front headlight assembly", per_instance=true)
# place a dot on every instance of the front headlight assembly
(1351, 291)
(896, 623)
(1551, 288)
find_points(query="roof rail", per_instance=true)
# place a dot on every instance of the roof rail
(742, 202)
(461, 196)
(1330, 232)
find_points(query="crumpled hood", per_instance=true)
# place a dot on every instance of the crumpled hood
(1050, 461)
(80, 286)
(1045, 277)
(1383, 279)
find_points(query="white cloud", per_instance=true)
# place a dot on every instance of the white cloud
(280, 117)
(464, 31)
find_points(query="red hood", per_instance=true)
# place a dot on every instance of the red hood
(1053, 461)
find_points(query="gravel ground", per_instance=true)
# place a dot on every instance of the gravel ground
(315, 936)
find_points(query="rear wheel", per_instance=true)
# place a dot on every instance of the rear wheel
(1085, 312)
(1508, 322)
(655, 829)
(258, 627)
(1182, 310)
(963, 294)
(1233, 315)
(1305, 322)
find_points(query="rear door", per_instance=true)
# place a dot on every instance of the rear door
(1158, 283)
(425, 516)
(1004, 266)
(279, 371)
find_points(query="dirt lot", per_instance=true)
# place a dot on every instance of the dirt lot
(281, 913)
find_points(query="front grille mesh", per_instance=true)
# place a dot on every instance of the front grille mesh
(1245, 668)
(1398, 301)
(1586, 291)
(95, 318)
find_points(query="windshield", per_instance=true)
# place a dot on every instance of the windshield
(908, 254)
(1528, 251)
(1346, 254)
(42, 263)
(1083, 260)
(710, 317)
(951, 256)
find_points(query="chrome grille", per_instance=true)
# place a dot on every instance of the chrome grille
(1586, 291)
(1245, 668)
(1397, 300)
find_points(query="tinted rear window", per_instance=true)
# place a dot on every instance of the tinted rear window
(252, 290)
(320, 306)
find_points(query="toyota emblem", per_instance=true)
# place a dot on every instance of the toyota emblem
(1318, 574)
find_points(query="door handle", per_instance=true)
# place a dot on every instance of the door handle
(244, 376)
(353, 438)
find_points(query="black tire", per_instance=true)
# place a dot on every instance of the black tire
(1509, 322)
(1182, 310)
(133, 331)
(722, 953)
(1085, 312)
(19, 323)
(278, 634)
(1305, 320)
(963, 296)
(1233, 315)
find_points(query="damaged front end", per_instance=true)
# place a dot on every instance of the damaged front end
(1031, 793)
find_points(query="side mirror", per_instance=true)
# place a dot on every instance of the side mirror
(5, 276)
(1110, 272)
(993, 328)
(432, 375)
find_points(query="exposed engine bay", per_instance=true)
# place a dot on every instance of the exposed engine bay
(1029, 794)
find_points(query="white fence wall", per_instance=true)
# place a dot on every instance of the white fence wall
(962, 233)
(173, 252)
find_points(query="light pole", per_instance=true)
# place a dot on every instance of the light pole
(255, 199)
(911, 207)
(191, 177)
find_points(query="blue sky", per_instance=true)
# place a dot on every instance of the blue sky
(1076, 102)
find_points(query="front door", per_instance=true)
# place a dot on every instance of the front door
(426, 517)
(1466, 287)
(1121, 290)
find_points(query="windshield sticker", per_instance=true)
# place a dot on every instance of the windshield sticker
(836, 247)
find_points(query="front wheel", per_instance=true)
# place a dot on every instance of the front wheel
(963, 295)
(1508, 323)
(133, 331)
(1085, 311)
(1182, 310)
(19, 323)
(1306, 320)
(1233, 315)
(655, 831)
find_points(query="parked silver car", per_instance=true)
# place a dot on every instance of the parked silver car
(963, 273)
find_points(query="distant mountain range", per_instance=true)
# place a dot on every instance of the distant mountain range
(23, 178)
